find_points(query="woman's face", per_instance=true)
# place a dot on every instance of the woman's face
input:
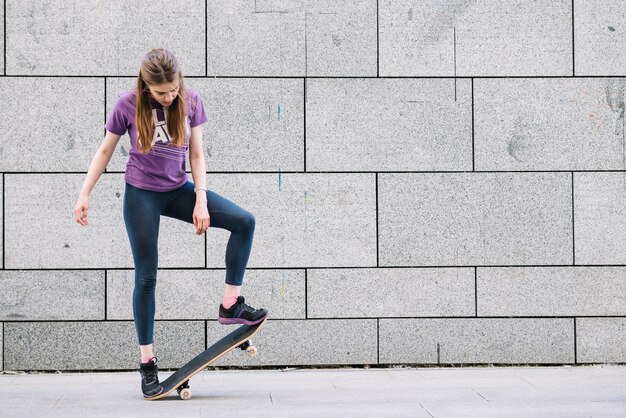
(164, 93)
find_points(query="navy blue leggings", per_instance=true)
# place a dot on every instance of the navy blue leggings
(142, 213)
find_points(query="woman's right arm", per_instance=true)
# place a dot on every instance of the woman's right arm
(97, 166)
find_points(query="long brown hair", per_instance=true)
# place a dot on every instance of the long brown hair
(159, 66)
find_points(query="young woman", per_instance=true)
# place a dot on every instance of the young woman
(164, 120)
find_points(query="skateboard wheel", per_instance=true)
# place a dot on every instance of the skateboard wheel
(251, 351)
(244, 345)
(184, 393)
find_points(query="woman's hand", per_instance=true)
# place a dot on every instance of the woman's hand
(80, 210)
(201, 218)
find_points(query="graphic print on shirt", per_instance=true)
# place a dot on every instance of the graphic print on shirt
(161, 139)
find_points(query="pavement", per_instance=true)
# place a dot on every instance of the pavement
(558, 391)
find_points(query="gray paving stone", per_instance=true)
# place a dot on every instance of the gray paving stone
(302, 220)
(397, 292)
(2, 347)
(523, 392)
(524, 409)
(197, 294)
(254, 124)
(312, 342)
(389, 125)
(549, 124)
(599, 39)
(600, 218)
(569, 392)
(601, 340)
(551, 291)
(469, 38)
(477, 341)
(57, 241)
(56, 119)
(107, 38)
(451, 219)
(293, 38)
(96, 345)
(51, 295)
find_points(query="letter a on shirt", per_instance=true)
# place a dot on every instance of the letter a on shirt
(160, 127)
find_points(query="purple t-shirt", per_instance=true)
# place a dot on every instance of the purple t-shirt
(163, 168)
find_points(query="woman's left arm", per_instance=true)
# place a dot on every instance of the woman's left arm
(201, 218)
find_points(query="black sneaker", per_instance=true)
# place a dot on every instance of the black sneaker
(150, 385)
(240, 313)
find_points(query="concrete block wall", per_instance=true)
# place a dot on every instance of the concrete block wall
(433, 182)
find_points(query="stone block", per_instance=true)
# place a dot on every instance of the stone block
(600, 218)
(549, 124)
(295, 343)
(601, 340)
(2, 40)
(197, 294)
(254, 124)
(469, 38)
(469, 219)
(107, 38)
(2, 221)
(51, 295)
(302, 220)
(350, 293)
(599, 41)
(292, 38)
(477, 341)
(389, 125)
(47, 236)
(551, 291)
(96, 345)
(51, 124)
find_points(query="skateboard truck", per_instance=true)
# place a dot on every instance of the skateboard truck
(250, 350)
(184, 391)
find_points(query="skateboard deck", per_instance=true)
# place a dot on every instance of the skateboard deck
(179, 380)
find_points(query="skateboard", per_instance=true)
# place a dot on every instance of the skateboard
(179, 380)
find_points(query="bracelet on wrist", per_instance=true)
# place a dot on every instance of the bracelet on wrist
(195, 189)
